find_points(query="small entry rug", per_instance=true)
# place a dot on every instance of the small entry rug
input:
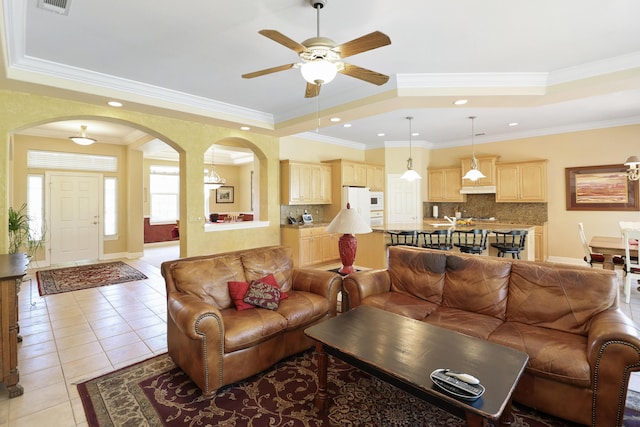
(85, 276)
(157, 393)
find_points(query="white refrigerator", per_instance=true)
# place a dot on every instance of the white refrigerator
(360, 199)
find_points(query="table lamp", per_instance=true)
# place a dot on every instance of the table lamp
(348, 222)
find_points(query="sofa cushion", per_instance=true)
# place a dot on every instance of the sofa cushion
(263, 295)
(237, 291)
(244, 329)
(558, 355)
(417, 272)
(302, 308)
(271, 280)
(208, 278)
(466, 322)
(559, 297)
(478, 284)
(402, 304)
(274, 260)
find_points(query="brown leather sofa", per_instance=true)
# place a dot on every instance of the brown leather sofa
(216, 344)
(582, 348)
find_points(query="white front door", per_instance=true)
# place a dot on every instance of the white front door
(75, 203)
(404, 201)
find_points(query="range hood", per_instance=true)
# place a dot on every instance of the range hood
(478, 189)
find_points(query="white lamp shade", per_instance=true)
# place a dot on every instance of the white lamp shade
(410, 175)
(473, 175)
(348, 221)
(319, 71)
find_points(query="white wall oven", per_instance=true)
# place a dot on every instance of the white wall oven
(377, 218)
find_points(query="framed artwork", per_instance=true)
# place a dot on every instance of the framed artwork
(600, 188)
(224, 194)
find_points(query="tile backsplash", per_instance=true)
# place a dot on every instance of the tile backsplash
(316, 211)
(485, 206)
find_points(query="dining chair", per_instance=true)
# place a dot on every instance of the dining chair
(591, 257)
(436, 239)
(510, 242)
(632, 265)
(471, 241)
(406, 238)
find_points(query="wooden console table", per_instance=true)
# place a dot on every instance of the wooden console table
(12, 268)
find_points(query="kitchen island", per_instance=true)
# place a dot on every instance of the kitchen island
(372, 247)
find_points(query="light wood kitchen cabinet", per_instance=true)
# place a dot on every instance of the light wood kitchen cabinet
(486, 165)
(310, 245)
(444, 185)
(523, 182)
(375, 177)
(305, 183)
(541, 242)
(354, 174)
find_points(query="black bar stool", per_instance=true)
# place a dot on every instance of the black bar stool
(406, 238)
(510, 242)
(437, 239)
(471, 241)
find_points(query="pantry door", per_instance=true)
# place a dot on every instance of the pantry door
(403, 199)
(75, 203)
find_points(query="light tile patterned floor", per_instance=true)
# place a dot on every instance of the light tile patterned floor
(72, 337)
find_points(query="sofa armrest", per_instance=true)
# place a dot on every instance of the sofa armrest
(187, 311)
(362, 284)
(324, 283)
(613, 353)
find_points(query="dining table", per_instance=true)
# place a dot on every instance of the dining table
(610, 246)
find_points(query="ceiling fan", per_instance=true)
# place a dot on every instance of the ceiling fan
(322, 59)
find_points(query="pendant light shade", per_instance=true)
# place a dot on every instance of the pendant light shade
(410, 175)
(212, 180)
(83, 139)
(474, 173)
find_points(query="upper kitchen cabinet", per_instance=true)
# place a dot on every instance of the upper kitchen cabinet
(486, 165)
(522, 182)
(358, 174)
(444, 185)
(305, 183)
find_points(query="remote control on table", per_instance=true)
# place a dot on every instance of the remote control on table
(474, 390)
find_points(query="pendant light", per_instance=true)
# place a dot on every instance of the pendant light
(83, 139)
(410, 175)
(474, 173)
(212, 180)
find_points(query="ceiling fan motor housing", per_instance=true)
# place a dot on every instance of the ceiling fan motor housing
(318, 4)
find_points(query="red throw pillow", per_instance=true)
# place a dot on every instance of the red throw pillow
(237, 291)
(263, 295)
(271, 280)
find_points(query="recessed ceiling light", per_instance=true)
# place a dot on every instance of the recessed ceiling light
(513, 124)
(460, 102)
(415, 134)
(347, 125)
(245, 128)
(381, 134)
(335, 119)
(114, 104)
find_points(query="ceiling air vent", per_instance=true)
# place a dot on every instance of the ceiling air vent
(57, 6)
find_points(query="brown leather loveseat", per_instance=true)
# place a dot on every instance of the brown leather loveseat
(582, 348)
(215, 343)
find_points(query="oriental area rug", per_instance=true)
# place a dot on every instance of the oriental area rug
(75, 278)
(157, 393)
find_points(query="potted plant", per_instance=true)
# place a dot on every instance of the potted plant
(21, 236)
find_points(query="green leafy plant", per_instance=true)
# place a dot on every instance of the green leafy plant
(21, 236)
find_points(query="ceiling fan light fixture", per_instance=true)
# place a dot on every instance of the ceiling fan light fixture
(319, 71)
(83, 139)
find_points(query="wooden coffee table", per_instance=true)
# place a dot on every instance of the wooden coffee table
(404, 351)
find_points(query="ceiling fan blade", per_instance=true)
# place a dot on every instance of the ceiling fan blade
(367, 42)
(364, 74)
(267, 71)
(278, 37)
(312, 91)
